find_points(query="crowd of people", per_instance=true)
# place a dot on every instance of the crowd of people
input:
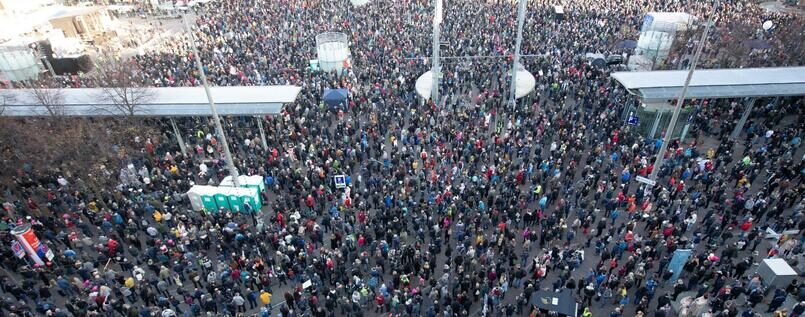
(466, 207)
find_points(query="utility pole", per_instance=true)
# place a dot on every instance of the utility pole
(681, 100)
(227, 154)
(516, 61)
(436, 71)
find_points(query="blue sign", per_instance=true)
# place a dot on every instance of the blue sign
(633, 120)
(42, 250)
(678, 262)
(340, 181)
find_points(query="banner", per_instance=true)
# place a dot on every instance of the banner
(18, 250)
(678, 262)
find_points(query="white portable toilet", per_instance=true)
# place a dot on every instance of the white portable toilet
(202, 197)
(195, 198)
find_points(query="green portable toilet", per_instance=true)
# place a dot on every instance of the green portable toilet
(226, 182)
(205, 196)
(243, 195)
(252, 197)
(222, 198)
(235, 201)
(208, 201)
(254, 181)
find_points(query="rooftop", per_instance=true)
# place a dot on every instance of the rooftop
(162, 102)
(716, 83)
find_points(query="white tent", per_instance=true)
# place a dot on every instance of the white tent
(358, 3)
(525, 83)
(424, 84)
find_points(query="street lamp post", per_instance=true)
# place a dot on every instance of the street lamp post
(436, 70)
(516, 61)
(233, 171)
(670, 131)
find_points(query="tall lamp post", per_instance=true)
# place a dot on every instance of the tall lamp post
(436, 70)
(233, 171)
(671, 125)
(516, 61)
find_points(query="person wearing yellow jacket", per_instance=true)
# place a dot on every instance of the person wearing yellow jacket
(265, 298)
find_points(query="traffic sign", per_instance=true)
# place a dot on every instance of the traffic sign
(646, 180)
(340, 181)
(633, 119)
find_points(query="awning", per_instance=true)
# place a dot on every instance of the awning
(715, 83)
(158, 102)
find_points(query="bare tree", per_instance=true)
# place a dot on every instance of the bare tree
(790, 41)
(50, 95)
(5, 100)
(732, 51)
(122, 86)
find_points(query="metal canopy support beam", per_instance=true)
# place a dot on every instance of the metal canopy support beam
(262, 132)
(178, 134)
(233, 171)
(657, 119)
(740, 126)
(516, 61)
(690, 119)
